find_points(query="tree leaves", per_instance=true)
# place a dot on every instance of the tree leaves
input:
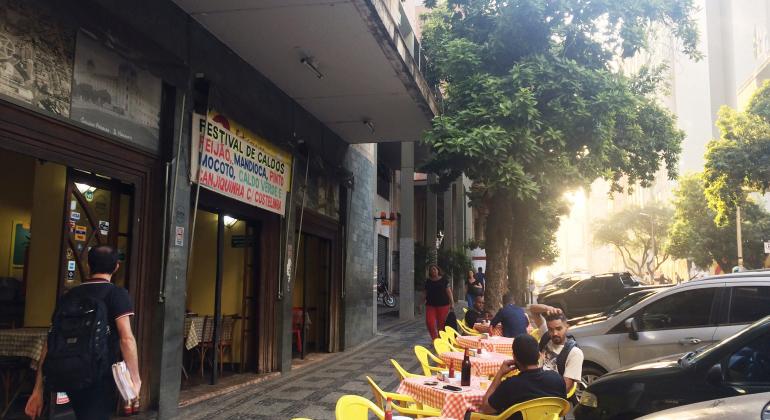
(739, 161)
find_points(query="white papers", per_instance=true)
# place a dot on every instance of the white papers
(123, 381)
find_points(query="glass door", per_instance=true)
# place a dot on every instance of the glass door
(97, 212)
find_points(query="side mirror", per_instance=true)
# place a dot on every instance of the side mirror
(714, 375)
(632, 328)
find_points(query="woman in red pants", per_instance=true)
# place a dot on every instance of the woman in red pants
(438, 300)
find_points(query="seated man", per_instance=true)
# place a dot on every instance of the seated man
(560, 353)
(476, 313)
(513, 318)
(533, 381)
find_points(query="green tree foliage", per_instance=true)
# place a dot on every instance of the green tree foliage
(533, 106)
(631, 232)
(739, 161)
(696, 237)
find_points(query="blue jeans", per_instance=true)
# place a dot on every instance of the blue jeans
(469, 298)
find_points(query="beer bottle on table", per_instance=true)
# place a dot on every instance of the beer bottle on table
(451, 369)
(389, 409)
(465, 378)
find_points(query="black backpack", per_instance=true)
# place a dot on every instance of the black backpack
(79, 353)
(561, 358)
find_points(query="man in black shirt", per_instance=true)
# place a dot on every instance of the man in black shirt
(475, 313)
(98, 401)
(533, 382)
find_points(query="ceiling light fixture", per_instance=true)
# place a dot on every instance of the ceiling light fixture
(83, 188)
(230, 221)
(308, 62)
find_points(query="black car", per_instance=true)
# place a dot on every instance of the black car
(594, 294)
(737, 365)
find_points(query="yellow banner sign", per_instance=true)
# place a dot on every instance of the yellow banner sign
(238, 164)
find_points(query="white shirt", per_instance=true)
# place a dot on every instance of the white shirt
(573, 369)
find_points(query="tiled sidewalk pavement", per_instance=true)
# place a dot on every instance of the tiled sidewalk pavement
(313, 391)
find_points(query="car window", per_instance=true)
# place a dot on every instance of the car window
(689, 308)
(627, 280)
(749, 303)
(627, 302)
(590, 285)
(751, 363)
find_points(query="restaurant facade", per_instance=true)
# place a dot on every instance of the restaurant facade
(242, 211)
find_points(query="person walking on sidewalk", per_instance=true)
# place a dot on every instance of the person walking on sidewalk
(438, 300)
(474, 287)
(87, 376)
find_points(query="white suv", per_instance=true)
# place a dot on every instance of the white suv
(676, 320)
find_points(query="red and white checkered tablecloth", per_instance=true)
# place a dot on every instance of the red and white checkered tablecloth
(486, 364)
(502, 345)
(23, 342)
(453, 404)
(497, 330)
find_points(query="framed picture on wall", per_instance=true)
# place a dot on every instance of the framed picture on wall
(19, 244)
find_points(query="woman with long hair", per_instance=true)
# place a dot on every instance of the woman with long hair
(473, 287)
(438, 300)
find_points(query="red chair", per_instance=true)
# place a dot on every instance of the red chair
(296, 326)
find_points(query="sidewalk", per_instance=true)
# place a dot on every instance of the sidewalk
(313, 391)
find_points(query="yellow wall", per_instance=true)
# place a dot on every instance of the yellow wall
(15, 204)
(45, 247)
(202, 277)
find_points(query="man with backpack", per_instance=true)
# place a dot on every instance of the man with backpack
(559, 349)
(90, 330)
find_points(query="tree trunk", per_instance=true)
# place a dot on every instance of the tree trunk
(517, 273)
(517, 264)
(498, 239)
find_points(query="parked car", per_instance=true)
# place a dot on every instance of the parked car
(593, 294)
(752, 406)
(563, 281)
(620, 306)
(678, 319)
(738, 365)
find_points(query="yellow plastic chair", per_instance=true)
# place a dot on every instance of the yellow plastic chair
(442, 346)
(535, 333)
(452, 334)
(403, 373)
(356, 407)
(424, 356)
(444, 336)
(466, 330)
(404, 404)
(546, 408)
(572, 390)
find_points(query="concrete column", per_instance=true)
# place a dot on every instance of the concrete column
(406, 240)
(171, 307)
(431, 220)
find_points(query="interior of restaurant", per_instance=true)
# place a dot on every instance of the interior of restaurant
(37, 198)
(310, 296)
(238, 297)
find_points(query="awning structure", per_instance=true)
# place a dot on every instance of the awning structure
(345, 61)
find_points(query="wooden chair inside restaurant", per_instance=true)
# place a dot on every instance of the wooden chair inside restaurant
(226, 339)
(207, 339)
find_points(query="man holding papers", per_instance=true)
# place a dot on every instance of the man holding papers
(87, 377)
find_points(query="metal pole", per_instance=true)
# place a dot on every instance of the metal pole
(738, 235)
(218, 296)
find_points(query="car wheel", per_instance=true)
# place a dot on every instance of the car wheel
(591, 373)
